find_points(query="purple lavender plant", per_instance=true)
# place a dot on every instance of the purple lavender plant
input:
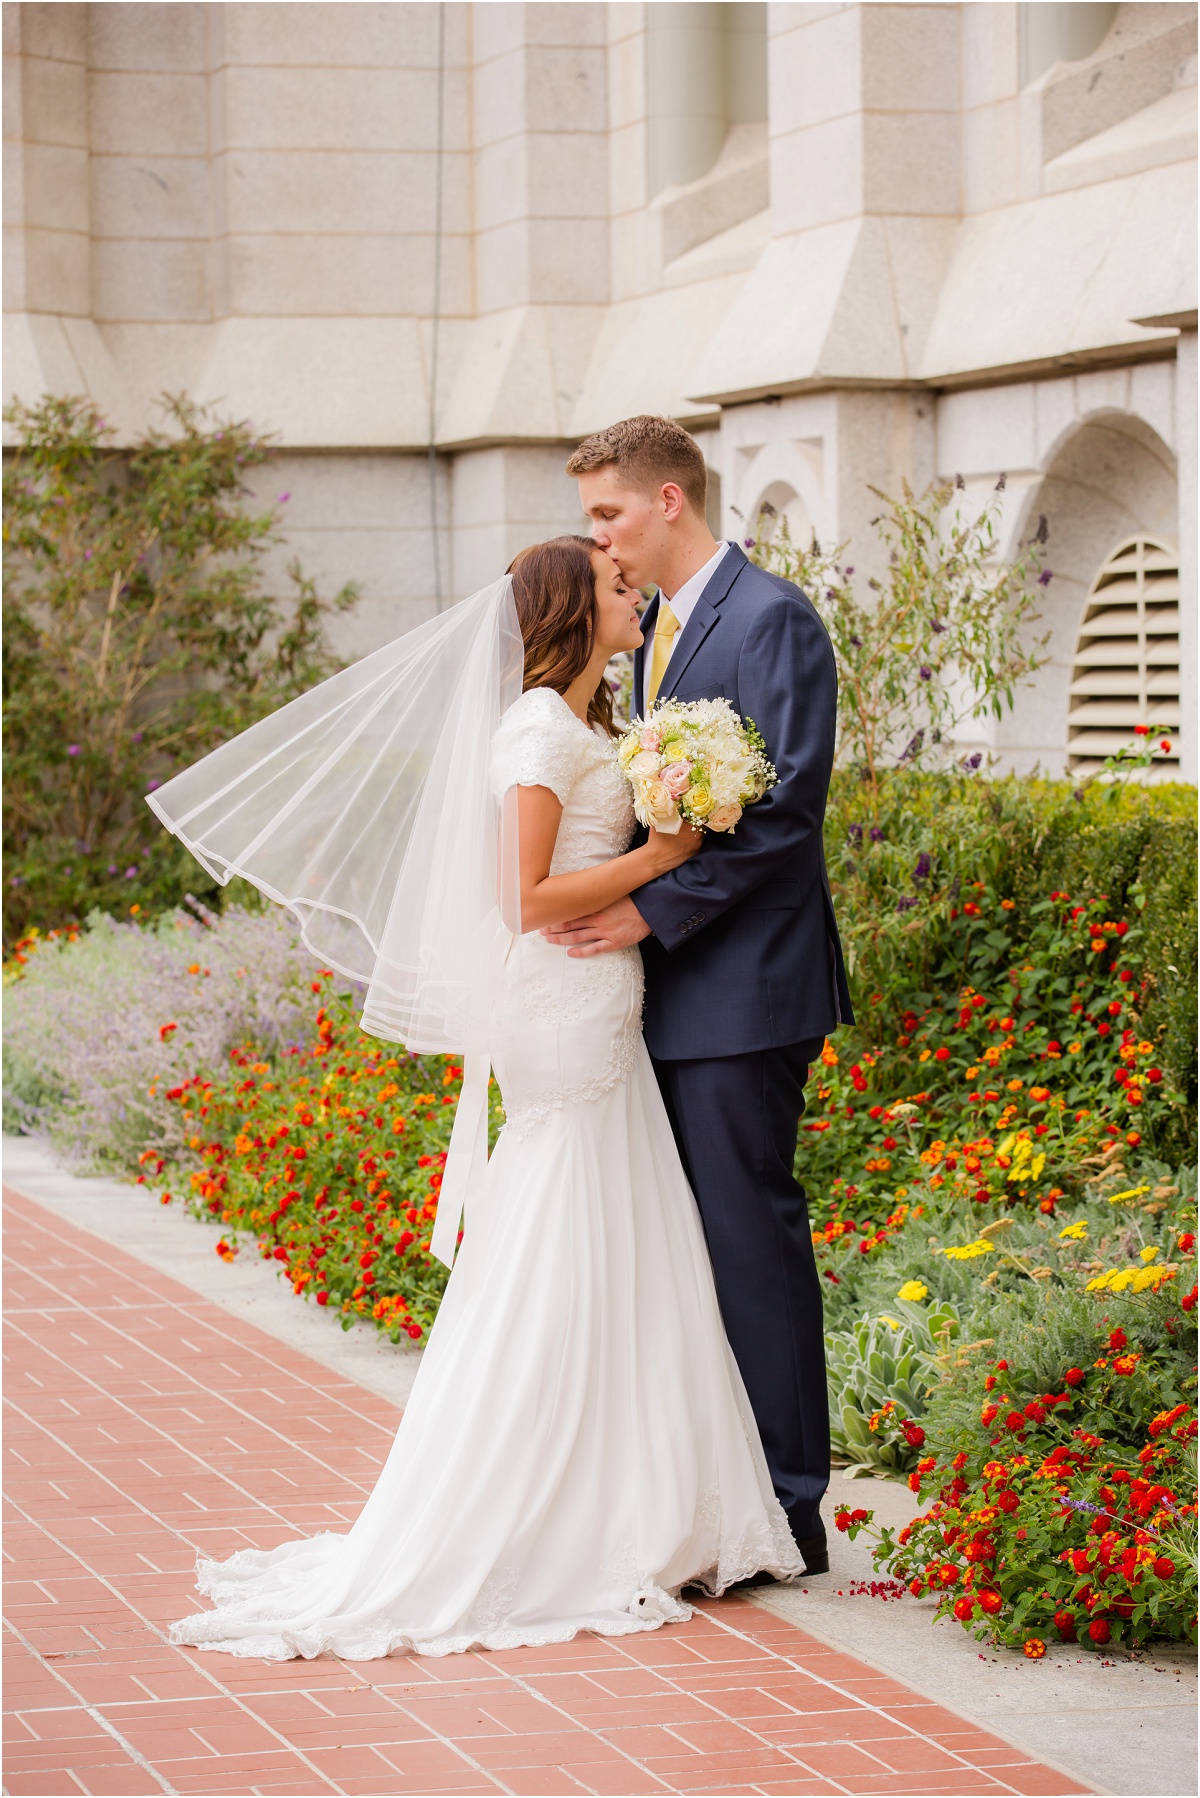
(87, 1063)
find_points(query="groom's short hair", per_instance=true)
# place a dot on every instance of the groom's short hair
(648, 451)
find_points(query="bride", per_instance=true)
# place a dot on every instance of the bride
(578, 1446)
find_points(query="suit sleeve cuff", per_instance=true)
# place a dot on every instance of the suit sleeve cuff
(664, 911)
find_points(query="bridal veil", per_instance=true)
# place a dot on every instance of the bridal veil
(367, 808)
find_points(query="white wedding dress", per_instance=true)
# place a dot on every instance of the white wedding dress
(578, 1444)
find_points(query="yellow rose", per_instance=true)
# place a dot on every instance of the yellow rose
(699, 800)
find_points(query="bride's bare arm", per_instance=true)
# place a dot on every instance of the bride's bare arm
(548, 899)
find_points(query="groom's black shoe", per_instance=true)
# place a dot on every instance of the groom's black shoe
(815, 1550)
(808, 1533)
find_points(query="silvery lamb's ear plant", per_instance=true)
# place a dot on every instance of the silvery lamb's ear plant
(880, 1375)
(942, 639)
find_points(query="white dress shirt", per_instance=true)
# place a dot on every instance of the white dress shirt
(683, 604)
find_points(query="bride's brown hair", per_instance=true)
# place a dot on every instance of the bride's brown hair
(555, 593)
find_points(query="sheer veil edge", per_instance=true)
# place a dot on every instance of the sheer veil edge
(366, 806)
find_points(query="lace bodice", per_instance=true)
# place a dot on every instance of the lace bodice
(541, 743)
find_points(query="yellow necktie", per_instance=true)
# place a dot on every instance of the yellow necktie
(665, 626)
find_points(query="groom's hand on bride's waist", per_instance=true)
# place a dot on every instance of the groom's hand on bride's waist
(618, 926)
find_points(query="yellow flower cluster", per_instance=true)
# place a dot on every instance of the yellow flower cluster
(1132, 1279)
(1016, 1153)
(968, 1251)
(914, 1290)
(1131, 1192)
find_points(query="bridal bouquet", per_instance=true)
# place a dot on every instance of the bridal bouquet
(694, 760)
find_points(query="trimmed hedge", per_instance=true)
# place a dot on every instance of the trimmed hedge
(901, 861)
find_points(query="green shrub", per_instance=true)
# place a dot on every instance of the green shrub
(906, 857)
(137, 636)
(941, 639)
(1065, 1477)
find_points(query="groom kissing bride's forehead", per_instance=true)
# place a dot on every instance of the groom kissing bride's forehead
(744, 970)
(623, 1395)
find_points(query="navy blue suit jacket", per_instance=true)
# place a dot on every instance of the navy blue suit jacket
(745, 952)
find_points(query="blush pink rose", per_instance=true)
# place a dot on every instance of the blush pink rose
(675, 777)
(651, 738)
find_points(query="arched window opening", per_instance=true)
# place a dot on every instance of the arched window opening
(1126, 667)
(781, 502)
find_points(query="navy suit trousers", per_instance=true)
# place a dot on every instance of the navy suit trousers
(736, 1119)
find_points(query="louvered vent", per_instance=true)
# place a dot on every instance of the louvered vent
(1126, 669)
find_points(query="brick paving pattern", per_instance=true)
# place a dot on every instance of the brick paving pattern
(145, 1423)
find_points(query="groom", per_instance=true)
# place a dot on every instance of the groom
(744, 973)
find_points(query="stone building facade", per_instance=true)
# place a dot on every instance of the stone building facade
(430, 246)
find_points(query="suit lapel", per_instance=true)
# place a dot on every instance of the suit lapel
(691, 637)
(727, 571)
(705, 615)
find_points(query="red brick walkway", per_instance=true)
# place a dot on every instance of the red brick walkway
(144, 1424)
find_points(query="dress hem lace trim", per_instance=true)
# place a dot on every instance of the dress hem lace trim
(649, 1608)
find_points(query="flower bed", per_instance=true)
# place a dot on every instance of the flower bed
(100, 1023)
(1065, 1510)
(998, 1158)
(329, 1159)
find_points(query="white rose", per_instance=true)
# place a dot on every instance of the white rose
(645, 764)
(661, 809)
